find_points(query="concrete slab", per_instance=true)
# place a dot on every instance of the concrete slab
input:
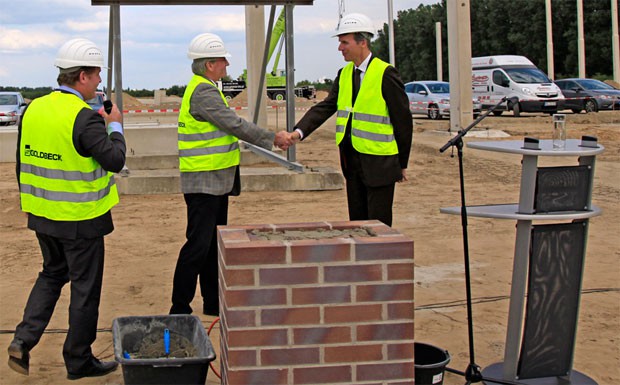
(171, 160)
(167, 181)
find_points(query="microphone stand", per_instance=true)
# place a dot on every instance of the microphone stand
(472, 374)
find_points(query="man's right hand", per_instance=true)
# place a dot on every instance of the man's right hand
(284, 140)
(114, 115)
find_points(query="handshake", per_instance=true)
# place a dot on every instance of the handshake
(284, 140)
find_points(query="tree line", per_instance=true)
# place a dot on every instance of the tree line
(516, 27)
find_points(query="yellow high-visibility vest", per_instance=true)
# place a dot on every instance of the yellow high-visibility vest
(202, 145)
(56, 182)
(371, 129)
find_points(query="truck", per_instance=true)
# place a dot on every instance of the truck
(525, 87)
(276, 87)
(276, 79)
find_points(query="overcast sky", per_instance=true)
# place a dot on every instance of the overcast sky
(155, 38)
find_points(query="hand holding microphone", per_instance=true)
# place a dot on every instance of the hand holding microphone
(112, 116)
(107, 106)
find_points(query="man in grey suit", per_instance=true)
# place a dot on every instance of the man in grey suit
(209, 163)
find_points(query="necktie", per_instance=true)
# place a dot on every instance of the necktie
(356, 82)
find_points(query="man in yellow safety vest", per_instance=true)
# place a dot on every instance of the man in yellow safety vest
(373, 124)
(209, 163)
(66, 156)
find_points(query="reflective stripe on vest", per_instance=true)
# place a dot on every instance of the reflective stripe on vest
(371, 129)
(55, 181)
(203, 146)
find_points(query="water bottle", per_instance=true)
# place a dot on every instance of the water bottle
(559, 131)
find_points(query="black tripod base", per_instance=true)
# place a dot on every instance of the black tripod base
(495, 371)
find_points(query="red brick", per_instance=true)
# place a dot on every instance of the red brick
(382, 230)
(321, 295)
(322, 335)
(257, 377)
(294, 316)
(322, 375)
(388, 292)
(355, 273)
(385, 332)
(400, 351)
(350, 353)
(254, 297)
(289, 356)
(321, 250)
(232, 235)
(237, 277)
(382, 248)
(257, 337)
(239, 318)
(237, 358)
(254, 253)
(352, 313)
(385, 371)
(288, 276)
(401, 310)
(400, 271)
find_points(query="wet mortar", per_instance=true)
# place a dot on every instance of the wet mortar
(291, 235)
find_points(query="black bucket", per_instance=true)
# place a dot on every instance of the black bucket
(430, 363)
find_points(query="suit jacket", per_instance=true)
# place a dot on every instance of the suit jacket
(206, 105)
(375, 170)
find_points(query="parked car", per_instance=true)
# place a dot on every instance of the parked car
(432, 98)
(589, 95)
(12, 106)
(97, 102)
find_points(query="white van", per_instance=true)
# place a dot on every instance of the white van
(526, 87)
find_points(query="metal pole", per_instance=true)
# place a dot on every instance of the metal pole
(391, 32)
(118, 77)
(615, 41)
(581, 49)
(290, 77)
(550, 64)
(110, 56)
(439, 53)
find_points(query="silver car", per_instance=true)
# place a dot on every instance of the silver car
(12, 106)
(589, 95)
(432, 98)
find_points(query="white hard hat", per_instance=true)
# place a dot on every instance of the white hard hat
(207, 45)
(79, 53)
(355, 22)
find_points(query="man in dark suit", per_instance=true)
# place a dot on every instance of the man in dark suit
(373, 124)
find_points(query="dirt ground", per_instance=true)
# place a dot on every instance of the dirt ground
(142, 251)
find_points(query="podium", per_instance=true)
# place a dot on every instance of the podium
(552, 217)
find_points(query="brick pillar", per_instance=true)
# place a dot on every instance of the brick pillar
(323, 310)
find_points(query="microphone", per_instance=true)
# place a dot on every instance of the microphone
(107, 106)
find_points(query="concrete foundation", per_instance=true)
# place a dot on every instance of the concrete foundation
(153, 167)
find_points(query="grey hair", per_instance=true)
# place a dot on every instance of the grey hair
(198, 65)
(361, 36)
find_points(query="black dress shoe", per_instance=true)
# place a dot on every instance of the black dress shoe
(95, 368)
(19, 357)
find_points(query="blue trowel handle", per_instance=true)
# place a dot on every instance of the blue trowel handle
(166, 341)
